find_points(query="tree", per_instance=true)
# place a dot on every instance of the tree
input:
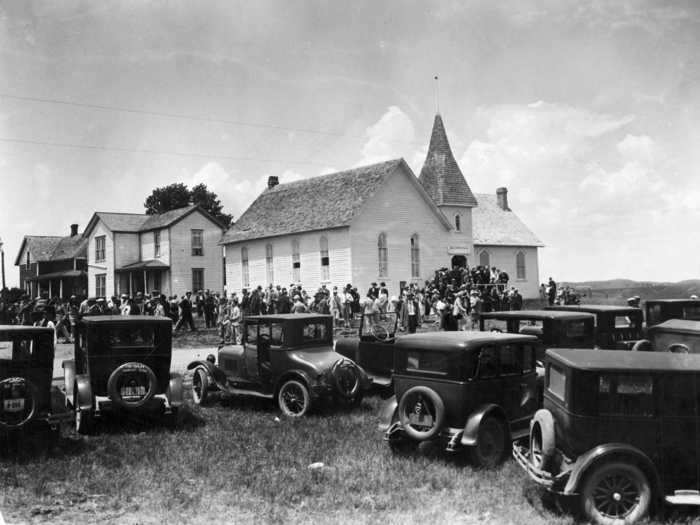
(178, 195)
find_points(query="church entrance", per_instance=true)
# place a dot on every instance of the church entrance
(460, 261)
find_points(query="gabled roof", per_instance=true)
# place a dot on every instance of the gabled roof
(45, 248)
(318, 203)
(441, 176)
(492, 225)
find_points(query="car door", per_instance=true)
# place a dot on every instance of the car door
(518, 384)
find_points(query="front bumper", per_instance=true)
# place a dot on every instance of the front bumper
(552, 482)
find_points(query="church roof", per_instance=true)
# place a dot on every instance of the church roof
(494, 226)
(441, 176)
(317, 203)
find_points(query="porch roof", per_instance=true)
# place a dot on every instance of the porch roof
(57, 275)
(151, 264)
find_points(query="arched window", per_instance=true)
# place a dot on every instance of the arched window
(484, 259)
(245, 274)
(382, 256)
(415, 256)
(325, 261)
(296, 262)
(520, 265)
(268, 264)
(458, 222)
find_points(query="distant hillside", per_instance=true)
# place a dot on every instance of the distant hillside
(616, 291)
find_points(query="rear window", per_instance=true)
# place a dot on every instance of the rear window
(692, 313)
(315, 332)
(424, 361)
(20, 347)
(630, 395)
(622, 321)
(116, 336)
(556, 382)
(575, 329)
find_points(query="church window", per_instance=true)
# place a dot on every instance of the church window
(383, 256)
(485, 259)
(325, 260)
(520, 265)
(245, 274)
(296, 261)
(415, 256)
(458, 222)
(269, 265)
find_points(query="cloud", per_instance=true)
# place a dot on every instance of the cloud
(388, 137)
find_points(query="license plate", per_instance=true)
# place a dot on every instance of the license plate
(13, 405)
(133, 391)
(423, 420)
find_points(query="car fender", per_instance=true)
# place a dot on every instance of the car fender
(349, 348)
(85, 398)
(608, 451)
(215, 373)
(387, 413)
(471, 429)
(296, 374)
(69, 378)
(175, 392)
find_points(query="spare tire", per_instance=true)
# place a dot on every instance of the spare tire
(346, 377)
(18, 400)
(542, 440)
(132, 385)
(643, 345)
(421, 412)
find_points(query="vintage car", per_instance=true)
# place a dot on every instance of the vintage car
(285, 357)
(660, 310)
(373, 350)
(618, 432)
(675, 335)
(122, 363)
(616, 327)
(26, 370)
(470, 390)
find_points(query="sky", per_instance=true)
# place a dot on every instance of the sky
(588, 111)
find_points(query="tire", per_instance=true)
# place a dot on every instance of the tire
(643, 345)
(28, 395)
(420, 399)
(490, 448)
(114, 390)
(615, 493)
(542, 441)
(347, 380)
(200, 386)
(293, 398)
(84, 421)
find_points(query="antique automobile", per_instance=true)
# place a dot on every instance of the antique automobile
(122, 363)
(616, 327)
(373, 350)
(26, 370)
(473, 391)
(660, 310)
(618, 432)
(675, 336)
(288, 358)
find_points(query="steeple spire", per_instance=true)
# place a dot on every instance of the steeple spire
(441, 176)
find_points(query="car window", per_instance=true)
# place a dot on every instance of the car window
(510, 360)
(276, 334)
(251, 330)
(653, 314)
(117, 336)
(623, 321)
(679, 395)
(556, 381)
(528, 358)
(425, 361)
(692, 313)
(264, 331)
(531, 327)
(575, 329)
(315, 332)
(629, 395)
(488, 362)
(17, 348)
(497, 325)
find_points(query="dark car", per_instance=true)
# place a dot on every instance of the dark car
(618, 432)
(373, 349)
(473, 390)
(123, 363)
(616, 327)
(26, 370)
(660, 310)
(675, 335)
(287, 357)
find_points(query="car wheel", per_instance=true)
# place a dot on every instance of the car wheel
(200, 386)
(84, 421)
(490, 448)
(421, 413)
(615, 493)
(293, 398)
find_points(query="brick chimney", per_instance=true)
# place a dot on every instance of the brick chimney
(502, 198)
(73, 230)
(272, 181)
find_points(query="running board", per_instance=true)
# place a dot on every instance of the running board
(242, 392)
(684, 497)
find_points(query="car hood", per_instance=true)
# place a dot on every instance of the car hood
(319, 361)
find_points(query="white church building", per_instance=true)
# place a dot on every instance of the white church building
(379, 223)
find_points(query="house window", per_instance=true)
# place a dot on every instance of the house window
(520, 265)
(101, 284)
(415, 256)
(197, 242)
(325, 260)
(458, 222)
(382, 256)
(156, 244)
(100, 248)
(484, 259)
(27, 260)
(268, 264)
(296, 262)
(244, 267)
(156, 281)
(197, 279)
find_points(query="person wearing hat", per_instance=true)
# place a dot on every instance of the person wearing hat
(476, 306)
(634, 301)
(373, 291)
(298, 307)
(185, 306)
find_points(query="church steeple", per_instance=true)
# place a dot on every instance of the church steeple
(441, 176)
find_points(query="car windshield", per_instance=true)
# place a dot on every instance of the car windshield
(386, 323)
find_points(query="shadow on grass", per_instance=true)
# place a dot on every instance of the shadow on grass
(131, 422)
(27, 447)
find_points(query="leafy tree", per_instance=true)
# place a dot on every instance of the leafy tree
(178, 195)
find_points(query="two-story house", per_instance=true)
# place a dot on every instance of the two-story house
(53, 265)
(171, 252)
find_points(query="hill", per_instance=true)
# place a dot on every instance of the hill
(616, 291)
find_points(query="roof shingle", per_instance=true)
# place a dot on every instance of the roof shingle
(491, 225)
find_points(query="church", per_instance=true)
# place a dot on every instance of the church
(379, 223)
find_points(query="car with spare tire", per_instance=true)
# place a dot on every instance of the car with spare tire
(473, 392)
(618, 432)
(122, 364)
(288, 358)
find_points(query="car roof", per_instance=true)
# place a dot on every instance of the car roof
(687, 301)
(111, 319)
(536, 314)
(624, 361)
(18, 328)
(458, 341)
(677, 325)
(286, 317)
(594, 308)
